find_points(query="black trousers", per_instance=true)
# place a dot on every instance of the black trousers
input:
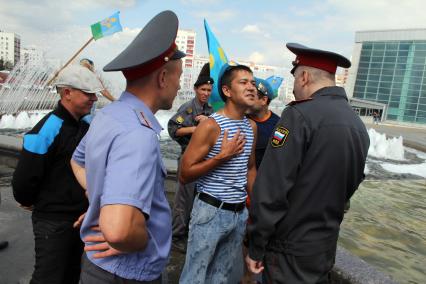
(93, 274)
(182, 207)
(285, 268)
(58, 251)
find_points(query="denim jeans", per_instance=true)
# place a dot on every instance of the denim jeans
(214, 253)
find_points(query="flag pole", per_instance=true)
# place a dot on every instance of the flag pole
(70, 60)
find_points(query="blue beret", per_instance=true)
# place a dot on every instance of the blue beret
(264, 88)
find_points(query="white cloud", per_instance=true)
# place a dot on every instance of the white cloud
(51, 27)
(251, 29)
(256, 57)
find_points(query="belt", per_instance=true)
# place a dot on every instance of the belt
(236, 207)
(302, 248)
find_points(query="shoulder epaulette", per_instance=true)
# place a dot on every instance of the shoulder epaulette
(142, 119)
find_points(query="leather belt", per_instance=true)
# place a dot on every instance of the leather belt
(236, 207)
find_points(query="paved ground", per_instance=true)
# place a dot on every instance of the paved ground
(17, 261)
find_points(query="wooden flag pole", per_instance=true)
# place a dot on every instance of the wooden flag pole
(69, 61)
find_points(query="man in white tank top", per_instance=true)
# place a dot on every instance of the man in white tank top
(220, 157)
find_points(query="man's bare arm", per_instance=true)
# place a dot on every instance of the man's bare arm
(183, 131)
(80, 173)
(205, 136)
(251, 171)
(124, 227)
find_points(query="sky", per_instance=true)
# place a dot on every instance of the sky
(247, 30)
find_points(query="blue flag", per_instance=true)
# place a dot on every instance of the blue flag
(275, 83)
(107, 26)
(217, 59)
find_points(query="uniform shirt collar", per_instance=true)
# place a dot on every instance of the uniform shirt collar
(331, 91)
(198, 107)
(139, 106)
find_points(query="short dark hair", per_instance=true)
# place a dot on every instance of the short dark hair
(228, 76)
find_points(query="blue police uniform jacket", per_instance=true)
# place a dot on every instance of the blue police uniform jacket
(123, 165)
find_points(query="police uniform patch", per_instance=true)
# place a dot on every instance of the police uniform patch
(189, 110)
(279, 137)
(179, 119)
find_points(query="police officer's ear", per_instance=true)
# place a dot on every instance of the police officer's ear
(303, 76)
(161, 77)
(166, 72)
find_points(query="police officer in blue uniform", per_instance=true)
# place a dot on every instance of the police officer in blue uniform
(120, 156)
(313, 164)
(180, 127)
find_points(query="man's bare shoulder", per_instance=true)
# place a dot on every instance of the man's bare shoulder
(208, 128)
(209, 124)
(253, 125)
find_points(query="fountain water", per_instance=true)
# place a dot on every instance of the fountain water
(25, 89)
(381, 147)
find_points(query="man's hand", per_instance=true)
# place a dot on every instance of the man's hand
(102, 246)
(254, 266)
(232, 147)
(79, 221)
(201, 117)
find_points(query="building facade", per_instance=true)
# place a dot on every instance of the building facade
(10, 47)
(389, 68)
(31, 56)
(185, 40)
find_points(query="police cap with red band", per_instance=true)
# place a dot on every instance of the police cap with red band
(321, 59)
(153, 47)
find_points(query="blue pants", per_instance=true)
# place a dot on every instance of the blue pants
(214, 253)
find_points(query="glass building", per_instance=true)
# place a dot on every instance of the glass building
(389, 68)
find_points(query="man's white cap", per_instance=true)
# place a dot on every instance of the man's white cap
(79, 77)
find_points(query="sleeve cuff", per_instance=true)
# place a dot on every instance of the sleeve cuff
(256, 253)
(112, 200)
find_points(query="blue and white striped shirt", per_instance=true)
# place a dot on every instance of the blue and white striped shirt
(228, 182)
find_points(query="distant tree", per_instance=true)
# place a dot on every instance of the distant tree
(1, 64)
(8, 65)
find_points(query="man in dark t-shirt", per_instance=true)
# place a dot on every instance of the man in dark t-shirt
(263, 116)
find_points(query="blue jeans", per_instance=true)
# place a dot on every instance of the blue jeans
(214, 253)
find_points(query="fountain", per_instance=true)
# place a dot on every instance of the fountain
(385, 225)
(25, 89)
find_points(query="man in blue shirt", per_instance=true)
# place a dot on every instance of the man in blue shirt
(125, 174)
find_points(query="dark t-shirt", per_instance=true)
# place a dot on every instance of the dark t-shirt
(264, 132)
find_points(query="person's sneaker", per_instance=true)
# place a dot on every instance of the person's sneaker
(179, 245)
(3, 244)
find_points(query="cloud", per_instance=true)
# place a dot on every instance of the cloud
(251, 29)
(256, 57)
